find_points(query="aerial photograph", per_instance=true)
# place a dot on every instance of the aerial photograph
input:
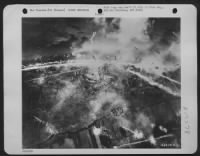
(107, 83)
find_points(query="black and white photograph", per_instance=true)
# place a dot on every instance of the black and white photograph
(101, 83)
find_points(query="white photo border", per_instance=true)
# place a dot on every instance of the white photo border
(12, 52)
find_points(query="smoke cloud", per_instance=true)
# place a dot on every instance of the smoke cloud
(131, 43)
